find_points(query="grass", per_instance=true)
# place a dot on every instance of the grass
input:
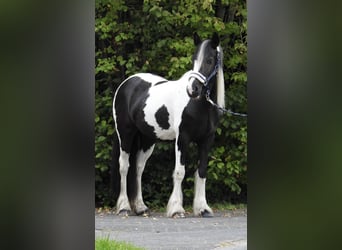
(107, 244)
(228, 206)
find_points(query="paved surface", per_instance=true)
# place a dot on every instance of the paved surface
(226, 230)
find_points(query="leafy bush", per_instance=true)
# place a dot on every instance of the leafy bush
(156, 36)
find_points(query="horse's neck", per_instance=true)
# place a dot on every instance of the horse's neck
(185, 76)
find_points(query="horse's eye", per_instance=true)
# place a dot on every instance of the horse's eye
(209, 61)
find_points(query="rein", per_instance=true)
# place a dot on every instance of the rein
(205, 81)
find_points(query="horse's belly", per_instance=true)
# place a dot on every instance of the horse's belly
(165, 134)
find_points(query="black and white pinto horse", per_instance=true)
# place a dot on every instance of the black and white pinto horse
(147, 107)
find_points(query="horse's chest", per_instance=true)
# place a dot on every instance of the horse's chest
(199, 123)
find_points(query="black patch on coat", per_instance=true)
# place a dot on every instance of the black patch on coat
(162, 117)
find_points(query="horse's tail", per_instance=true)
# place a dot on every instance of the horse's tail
(115, 168)
(132, 171)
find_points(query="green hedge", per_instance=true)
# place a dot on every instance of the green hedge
(156, 36)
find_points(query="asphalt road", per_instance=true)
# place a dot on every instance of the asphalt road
(226, 230)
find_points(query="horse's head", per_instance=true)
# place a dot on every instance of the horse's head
(207, 65)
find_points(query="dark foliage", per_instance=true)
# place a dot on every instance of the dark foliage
(156, 36)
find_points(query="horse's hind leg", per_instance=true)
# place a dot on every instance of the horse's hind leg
(147, 146)
(126, 139)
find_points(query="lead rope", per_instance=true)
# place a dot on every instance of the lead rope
(220, 108)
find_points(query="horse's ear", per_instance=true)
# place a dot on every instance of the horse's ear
(215, 40)
(197, 39)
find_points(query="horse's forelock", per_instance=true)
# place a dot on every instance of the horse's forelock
(200, 55)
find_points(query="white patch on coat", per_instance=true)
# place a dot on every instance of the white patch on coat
(173, 96)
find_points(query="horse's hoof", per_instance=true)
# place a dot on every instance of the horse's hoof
(124, 212)
(144, 213)
(206, 214)
(178, 215)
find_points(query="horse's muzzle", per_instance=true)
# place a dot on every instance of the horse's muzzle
(194, 88)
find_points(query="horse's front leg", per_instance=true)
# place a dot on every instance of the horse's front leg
(175, 204)
(200, 206)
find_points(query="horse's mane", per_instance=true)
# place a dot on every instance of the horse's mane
(220, 81)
